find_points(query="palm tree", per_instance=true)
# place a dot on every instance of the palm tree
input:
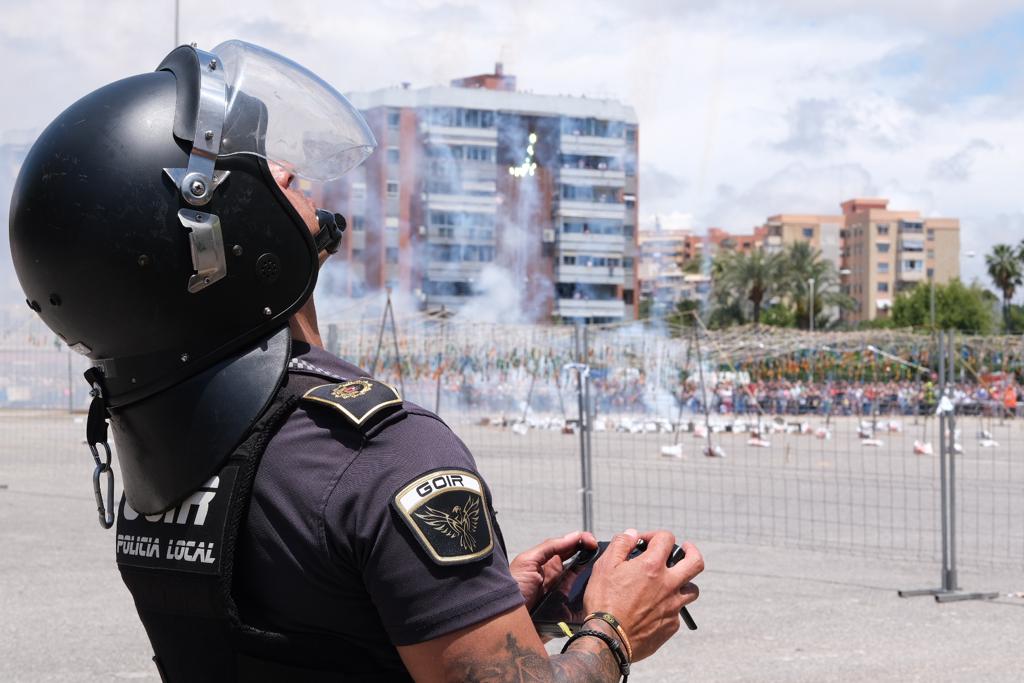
(802, 263)
(752, 277)
(1004, 268)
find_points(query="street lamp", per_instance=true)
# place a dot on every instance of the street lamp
(810, 296)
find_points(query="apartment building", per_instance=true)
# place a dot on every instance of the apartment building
(478, 184)
(885, 252)
(823, 232)
(667, 271)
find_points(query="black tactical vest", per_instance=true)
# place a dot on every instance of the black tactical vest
(178, 566)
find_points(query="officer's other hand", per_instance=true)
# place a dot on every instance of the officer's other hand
(537, 569)
(642, 593)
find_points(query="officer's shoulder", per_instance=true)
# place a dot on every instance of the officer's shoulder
(369, 405)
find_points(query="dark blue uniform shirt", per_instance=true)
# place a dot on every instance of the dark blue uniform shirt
(324, 551)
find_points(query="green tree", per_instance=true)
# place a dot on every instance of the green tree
(801, 264)
(779, 315)
(743, 280)
(957, 306)
(1004, 268)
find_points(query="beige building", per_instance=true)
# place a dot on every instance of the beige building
(887, 252)
(822, 231)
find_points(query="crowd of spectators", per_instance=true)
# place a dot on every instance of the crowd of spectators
(853, 398)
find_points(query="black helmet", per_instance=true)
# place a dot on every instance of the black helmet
(148, 232)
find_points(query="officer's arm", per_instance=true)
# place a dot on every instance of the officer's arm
(507, 648)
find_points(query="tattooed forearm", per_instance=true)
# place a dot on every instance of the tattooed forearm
(518, 664)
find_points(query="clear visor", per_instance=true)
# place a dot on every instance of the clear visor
(281, 111)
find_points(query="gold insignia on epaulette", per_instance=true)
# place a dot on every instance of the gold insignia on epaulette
(362, 398)
(351, 389)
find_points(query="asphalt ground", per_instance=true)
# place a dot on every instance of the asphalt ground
(772, 607)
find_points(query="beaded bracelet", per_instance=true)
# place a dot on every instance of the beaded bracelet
(613, 645)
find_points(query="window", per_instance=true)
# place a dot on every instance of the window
(391, 254)
(394, 117)
(462, 118)
(358, 190)
(931, 233)
(392, 155)
(592, 227)
(357, 253)
(569, 260)
(883, 247)
(358, 223)
(883, 228)
(931, 273)
(883, 287)
(628, 230)
(627, 297)
(883, 267)
(627, 262)
(447, 253)
(590, 193)
(912, 245)
(808, 233)
(913, 266)
(931, 254)
(911, 227)
(392, 188)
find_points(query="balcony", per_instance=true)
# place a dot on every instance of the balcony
(589, 242)
(590, 308)
(569, 208)
(585, 145)
(454, 271)
(461, 202)
(594, 275)
(588, 176)
(911, 275)
(457, 135)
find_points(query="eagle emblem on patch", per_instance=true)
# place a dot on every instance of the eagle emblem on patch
(447, 514)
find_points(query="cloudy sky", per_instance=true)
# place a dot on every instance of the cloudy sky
(746, 108)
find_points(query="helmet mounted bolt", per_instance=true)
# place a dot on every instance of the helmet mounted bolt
(208, 135)
(267, 311)
(213, 65)
(184, 358)
(198, 188)
(237, 250)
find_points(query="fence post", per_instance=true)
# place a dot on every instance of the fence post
(948, 591)
(332, 340)
(588, 465)
(71, 387)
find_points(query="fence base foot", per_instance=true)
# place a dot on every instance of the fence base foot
(922, 591)
(958, 596)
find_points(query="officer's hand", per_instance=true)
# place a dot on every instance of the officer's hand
(537, 569)
(642, 593)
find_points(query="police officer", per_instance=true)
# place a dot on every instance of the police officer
(285, 516)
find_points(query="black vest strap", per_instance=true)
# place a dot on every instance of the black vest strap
(179, 567)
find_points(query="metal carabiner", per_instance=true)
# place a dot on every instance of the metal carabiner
(105, 509)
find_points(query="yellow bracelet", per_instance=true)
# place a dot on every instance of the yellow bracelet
(614, 623)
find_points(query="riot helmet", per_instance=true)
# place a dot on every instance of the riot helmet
(148, 232)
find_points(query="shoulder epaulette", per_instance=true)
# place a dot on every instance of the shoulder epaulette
(357, 399)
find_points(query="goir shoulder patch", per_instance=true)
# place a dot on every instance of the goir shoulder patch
(448, 515)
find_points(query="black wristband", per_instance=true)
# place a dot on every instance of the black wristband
(613, 645)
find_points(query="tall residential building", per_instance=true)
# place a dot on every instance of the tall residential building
(887, 252)
(664, 256)
(477, 186)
